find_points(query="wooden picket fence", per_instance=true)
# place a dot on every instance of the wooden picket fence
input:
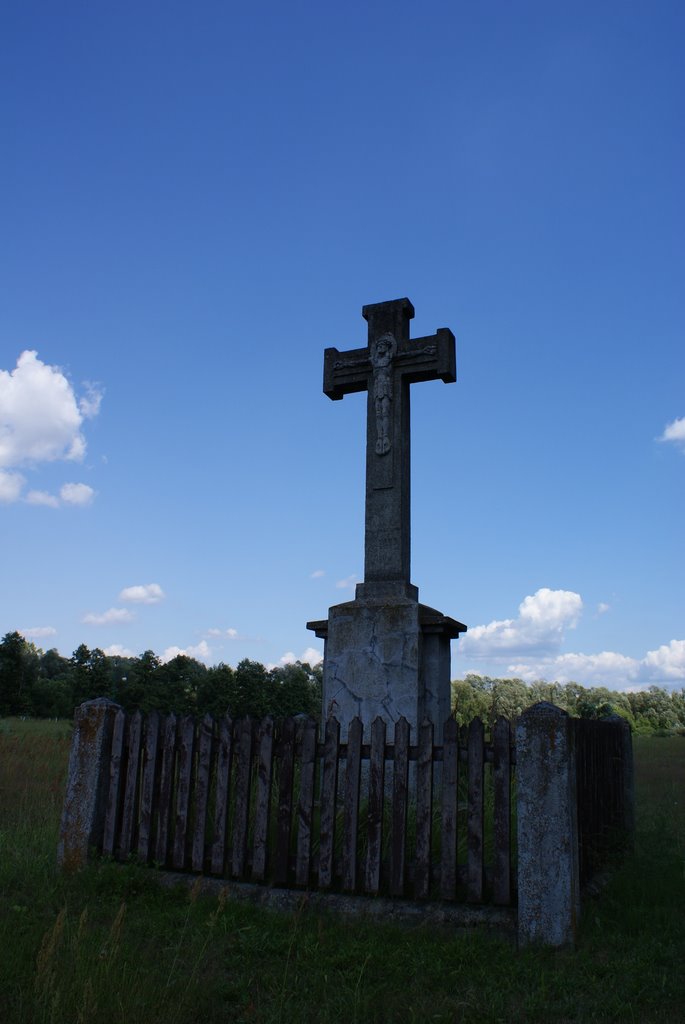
(269, 802)
(604, 770)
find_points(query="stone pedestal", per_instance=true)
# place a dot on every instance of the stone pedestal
(386, 654)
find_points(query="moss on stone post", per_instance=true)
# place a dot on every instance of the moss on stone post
(85, 800)
(548, 875)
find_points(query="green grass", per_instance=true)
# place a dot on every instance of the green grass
(109, 946)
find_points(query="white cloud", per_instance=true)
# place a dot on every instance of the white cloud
(540, 626)
(317, 574)
(10, 486)
(145, 593)
(38, 632)
(70, 494)
(40, 420)
(667, 662)
(608, 668)
(675, 432)
(310, 656)
(603, 607)
(76, 494)
(201, 652)
(347, 583)
(230, 634)
(89, 404)
(111, 615)
(530, 647)
(117, 651)
(42, 498)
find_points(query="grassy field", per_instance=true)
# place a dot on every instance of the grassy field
(110, 947)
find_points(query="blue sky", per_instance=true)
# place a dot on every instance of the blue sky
(197, 199)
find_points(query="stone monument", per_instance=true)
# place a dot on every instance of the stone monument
(385, 653)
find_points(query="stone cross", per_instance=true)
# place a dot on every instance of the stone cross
(385, 369)
(385, 653)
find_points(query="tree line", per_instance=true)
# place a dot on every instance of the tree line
(652, 710)
(48, 685)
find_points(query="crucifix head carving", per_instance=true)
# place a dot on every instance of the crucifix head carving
(383, 351)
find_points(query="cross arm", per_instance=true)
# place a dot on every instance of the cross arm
(345, 372)
(430, 358)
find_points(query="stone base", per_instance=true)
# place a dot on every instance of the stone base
(385, 654)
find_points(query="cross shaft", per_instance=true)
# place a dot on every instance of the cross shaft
(384, 369)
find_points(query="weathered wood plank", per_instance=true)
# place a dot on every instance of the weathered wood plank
(449, 808)
(263, 799)
(285, 802)
(424, 810)
(109, 839)
(400, 789)
(305, 807)
(474, 842)
(222, 794)
(351, 805)
(375, 813)
(147, 789)
(204, 759)
(501, 880)
(186, 743)
(128, 814)
(166, 785)
(242, 798)
(329, 789)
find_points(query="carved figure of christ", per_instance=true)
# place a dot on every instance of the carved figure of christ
(385, 369)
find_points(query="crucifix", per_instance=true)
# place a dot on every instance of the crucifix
(384, 369)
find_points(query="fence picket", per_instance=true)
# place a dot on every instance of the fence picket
(448, 823)
(128, 823)
(204, 758)
(351, 805)
(501, 881)
(375, 813)
(242, 798)
(400, 788)
(305, 808)
(186, 742)
(222, 793)
(112, 813)
(424, 807)
(147, 789)
(263, 799)
(166, 785)
(329, 789)
(285, 803)
(474, 842)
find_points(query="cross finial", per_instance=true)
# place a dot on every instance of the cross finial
(389, 318)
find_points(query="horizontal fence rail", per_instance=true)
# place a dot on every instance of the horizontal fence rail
(272, 802)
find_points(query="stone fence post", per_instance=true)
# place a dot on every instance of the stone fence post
(85, 800)
(547, 829)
